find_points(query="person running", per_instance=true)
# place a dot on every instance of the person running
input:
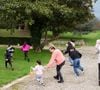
(8, 59)
(69, 47)
(39, 69)
(25, 48)
(11, 50)
(75, 56)
(58, 59)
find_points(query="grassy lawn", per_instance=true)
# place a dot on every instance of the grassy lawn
(21, 67)
(90, 38)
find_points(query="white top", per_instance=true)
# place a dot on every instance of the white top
(38, 69)
(97, 46)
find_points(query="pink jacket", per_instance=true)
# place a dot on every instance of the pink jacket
(56, 58)
(25, 48)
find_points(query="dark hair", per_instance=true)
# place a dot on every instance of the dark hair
(52, 47)
(72, 40)
(69, 44)
(39, 62)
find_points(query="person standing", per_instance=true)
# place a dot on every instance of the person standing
(58, 59)
(97, 46)
(25, 48)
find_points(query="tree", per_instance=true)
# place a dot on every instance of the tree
(41, 14)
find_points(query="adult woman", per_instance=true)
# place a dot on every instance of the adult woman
(57, 58)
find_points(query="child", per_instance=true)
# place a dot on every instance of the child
(8, 59)
(39, 72)
(11, 50)
(25, 48)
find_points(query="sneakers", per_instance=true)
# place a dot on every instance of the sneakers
(61, 81)
(55, 77)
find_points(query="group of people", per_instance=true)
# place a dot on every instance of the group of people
(10, 51)
(58, 60)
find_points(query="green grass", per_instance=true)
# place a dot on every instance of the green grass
(21, 67)
(90, 38)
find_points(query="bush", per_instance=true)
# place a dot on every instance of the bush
(15, 40)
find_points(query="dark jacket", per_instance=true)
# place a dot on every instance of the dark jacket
(74, 54)
(69, 47)
(7, 55)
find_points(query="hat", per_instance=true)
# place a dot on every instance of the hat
(51, 45)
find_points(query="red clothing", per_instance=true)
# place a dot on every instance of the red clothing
(56, 58)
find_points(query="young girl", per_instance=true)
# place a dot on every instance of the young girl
(25, 48)
(39, 72)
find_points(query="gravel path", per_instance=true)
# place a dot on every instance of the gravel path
(87, 80)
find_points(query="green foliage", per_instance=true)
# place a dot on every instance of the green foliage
(40, 14)
(61, 12)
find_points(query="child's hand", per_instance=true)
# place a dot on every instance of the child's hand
(45, 67)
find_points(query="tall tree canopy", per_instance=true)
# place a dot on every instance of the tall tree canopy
(40, 14)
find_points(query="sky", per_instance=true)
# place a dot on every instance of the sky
(97, 9)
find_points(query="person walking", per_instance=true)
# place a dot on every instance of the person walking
(58, 59)
(39, 69)
(25, 48)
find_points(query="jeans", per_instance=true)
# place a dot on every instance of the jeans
(77, 66)
(71, 61)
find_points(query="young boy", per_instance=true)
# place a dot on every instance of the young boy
(8, 59)
(39, 72)
(11, 50)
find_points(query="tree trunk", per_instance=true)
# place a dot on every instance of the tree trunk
(36, 38)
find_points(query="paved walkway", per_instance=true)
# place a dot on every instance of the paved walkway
(87, 80)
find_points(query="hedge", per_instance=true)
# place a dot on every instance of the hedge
(15, 40)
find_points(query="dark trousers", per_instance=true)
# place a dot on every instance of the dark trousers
(8, 61)
(58, 68)
(26, 55)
